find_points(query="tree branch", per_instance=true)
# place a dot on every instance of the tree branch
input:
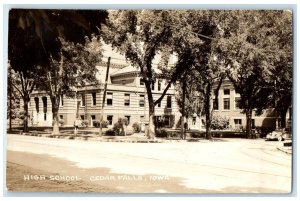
(163, 94)
(17, 88)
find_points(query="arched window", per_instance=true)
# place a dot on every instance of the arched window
(37, 106)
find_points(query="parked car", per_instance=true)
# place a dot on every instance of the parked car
(278, 134)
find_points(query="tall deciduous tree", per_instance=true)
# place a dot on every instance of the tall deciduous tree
(188, 98)
(24, 53)
(281, 63)
(34, 38)
(76, 67)
(203, 26)
(141, 35)
(13, 96)
(249, 43)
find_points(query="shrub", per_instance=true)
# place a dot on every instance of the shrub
(118, 127)
(84, 123)
(161, 133)
(219, 122)
(110, 132)
(96, 123)
(21, 115)
(136, 127)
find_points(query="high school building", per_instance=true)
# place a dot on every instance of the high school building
(126, 98)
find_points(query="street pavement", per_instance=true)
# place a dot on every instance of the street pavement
(227, 166)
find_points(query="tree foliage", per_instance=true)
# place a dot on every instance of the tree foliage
(37, 39)
(76, 68)
(141, 35)
(251, 56)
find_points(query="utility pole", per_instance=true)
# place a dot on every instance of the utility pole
(104, 95)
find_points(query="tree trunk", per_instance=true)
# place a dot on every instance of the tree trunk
(248, 122)
(26, 100)
(283, 117)
(208, 112)
(151, 129)
(55, 108)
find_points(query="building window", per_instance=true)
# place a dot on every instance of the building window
(94, 100)
(128, 119)
(153, 85)
(141, 81)
(83, 100)
(237, 123)
(109, 98)
(169, 101)
(62, 100)
(45, 116)
(215, 104)
(159, 85)
(194, 121)
(82, 117)
(127, 99)
(167, 121)
(61, 117)
(237, 103)
(37, 105)
(252, 123)
(226, 104)
(110, 119)
(44, 99)
(226, 91)
(142, 101)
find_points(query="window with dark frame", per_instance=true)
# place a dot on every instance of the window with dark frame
(252, 123)
(142, 101)
(94, 98)
(44, 99)
(141, 82)
(37, 105)
(238, 123)
(215, 104)
(83, 100)
(226, 104)
(169, 101)
(109, 98)
(226, 91)
(110, 119)
(128, 119)
(237, 103)
(127, 99)
(159, 85)
(62, 100)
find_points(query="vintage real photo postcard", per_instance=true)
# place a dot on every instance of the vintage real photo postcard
(149, 101)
